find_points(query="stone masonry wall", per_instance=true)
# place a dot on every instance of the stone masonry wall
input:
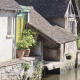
(70, 48)
(20, 70)
(69, 65)
(78, 58)
(13, 70)
(51, 50)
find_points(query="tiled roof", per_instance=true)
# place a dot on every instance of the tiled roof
(47, 8)
(9, 5)
(53, 32)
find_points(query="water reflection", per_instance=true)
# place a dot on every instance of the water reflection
(72, 75)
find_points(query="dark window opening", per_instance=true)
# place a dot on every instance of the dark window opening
(71, 26)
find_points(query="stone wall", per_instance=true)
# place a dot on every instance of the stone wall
(69, 48)
(78, 58)
(13, 70)
(19, 70)
(51, 52)
(69, 65)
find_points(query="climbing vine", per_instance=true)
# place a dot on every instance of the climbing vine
(37, 75)
(26, 67)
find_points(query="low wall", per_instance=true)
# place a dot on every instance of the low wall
(19, 70)
(13, 70)
(69, 65)
(78, 58)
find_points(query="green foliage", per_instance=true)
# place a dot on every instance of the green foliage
(26, 66)
(35, 45)
(38, 71)
(29, 35)
(27, 40)
(28, 32)
(22, 44)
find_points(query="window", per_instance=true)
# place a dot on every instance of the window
(9, 25)
(71, 26)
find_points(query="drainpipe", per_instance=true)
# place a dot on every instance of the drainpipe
(14, 38)
(76, 62)
(28, 16)
(63, 51)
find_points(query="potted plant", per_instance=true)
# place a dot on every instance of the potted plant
(29, 31)
(68, 56)
(29, 36)
(21, 45)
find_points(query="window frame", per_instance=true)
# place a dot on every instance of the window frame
(10, 25)
(71, 27)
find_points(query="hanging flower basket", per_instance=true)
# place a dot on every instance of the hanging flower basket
(68, 56)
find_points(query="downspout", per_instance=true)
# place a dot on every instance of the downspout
(63, 51)
(14, 38)
(28, 17)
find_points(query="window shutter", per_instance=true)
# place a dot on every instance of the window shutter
(20, 25)
(18, 28)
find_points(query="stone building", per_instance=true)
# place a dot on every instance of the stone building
(14, 69)
(8, 10)
(56, 23)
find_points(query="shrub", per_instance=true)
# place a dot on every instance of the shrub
(22, 44)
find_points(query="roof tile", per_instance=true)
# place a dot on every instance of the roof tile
(53, 32)
(9, 5)
(47, 8)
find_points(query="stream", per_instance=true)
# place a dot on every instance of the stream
(71, 75)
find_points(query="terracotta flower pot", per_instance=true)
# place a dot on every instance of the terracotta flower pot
(27, 52)
(20, 53)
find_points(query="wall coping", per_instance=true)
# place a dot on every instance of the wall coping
(11, 62)
(16, 61)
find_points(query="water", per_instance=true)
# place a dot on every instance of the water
(71, 75)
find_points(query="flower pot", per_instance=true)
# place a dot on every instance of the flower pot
(68, 57)
(27, 52)
(20, 53)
